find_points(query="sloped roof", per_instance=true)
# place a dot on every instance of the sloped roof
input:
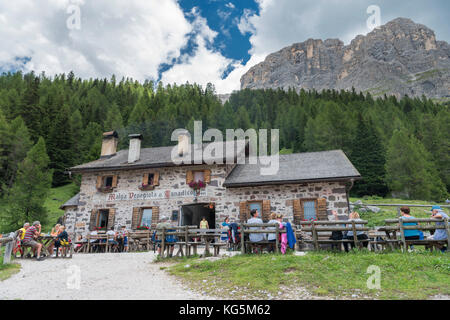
(72, 202)
(296, 168)
(161, 157)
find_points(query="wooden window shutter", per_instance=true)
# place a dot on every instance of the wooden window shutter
(243, 211)
(265, 210)
(298, 211)
(189, 176)
(114, 182)
(155, 178)
(99, 182)
(145, 179)
(93, 221)
(207, 176)
(135, 218)
(322, 209)
(111, 218)
(155, 215)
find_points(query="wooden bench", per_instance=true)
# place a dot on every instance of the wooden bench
(140, 240)
(402, 242)
(318, 228)
(244, 227)
(98, 244)
(217, 247)
(191, 244)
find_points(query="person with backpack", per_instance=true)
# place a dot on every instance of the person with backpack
(169, 239)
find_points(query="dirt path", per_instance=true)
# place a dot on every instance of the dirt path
(99, 276)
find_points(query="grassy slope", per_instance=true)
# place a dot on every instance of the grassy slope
(335, 275)
(56, 198)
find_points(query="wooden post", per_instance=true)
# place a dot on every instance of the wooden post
(314, 234)
(402, 234)
(8, 249)
(186, 239)
(88, 242)
(447, 228)
(242, 239)
(399, 214)
(277, 232)
(163, 242)
(355, 237)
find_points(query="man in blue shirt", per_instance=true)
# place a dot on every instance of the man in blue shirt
(439, 234)
(255, 237)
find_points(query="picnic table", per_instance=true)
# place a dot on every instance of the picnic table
(207, 236)
(46, 240)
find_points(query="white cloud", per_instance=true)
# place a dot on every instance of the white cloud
(133, 38)
(129, 38)
(230, 5)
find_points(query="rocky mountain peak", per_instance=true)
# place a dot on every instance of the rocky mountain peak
(400, 57)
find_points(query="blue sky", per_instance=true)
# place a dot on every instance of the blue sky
(183, 40)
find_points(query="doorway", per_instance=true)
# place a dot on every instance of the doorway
(192, 214)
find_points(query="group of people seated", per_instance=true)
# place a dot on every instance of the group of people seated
(285, 239)
(28, 236)
(414, 234)
(409, 234)
(118, 240)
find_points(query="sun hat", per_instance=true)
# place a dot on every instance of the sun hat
(436, 208)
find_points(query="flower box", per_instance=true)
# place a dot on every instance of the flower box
(145, 187)
(197, 185)
(105, 189)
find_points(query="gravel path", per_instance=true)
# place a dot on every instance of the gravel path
(102, 276)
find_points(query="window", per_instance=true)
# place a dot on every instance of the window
(150, 180)
(309, 210)
(199, 176)
(257, 206)
(102, 219)
(108, 181)
(146, 220)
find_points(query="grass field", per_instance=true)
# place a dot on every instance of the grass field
(325, 274)
(7, 270)
(377, 219)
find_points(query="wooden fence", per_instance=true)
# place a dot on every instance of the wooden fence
(9, 240)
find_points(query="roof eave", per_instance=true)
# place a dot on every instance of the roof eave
(281, 182)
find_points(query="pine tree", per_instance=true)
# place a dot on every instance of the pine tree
(409, 169)
(27, 196)
(368, 156)
(19, 144)
(60, 143)
(4, 147)
(114, 120)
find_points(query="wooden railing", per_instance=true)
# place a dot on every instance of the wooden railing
(10, 242)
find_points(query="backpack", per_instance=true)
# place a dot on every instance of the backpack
(234, 230)
(154, 236)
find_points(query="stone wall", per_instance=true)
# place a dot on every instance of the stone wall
(226, 199)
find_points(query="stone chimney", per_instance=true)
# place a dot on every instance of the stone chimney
(183, 144)
(109, 144)
(134, 152)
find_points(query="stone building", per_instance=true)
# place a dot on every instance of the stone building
(136, 187)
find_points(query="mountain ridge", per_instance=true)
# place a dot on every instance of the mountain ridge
(400, 57)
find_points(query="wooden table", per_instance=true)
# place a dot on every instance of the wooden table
(206, 235)
(46, 241)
